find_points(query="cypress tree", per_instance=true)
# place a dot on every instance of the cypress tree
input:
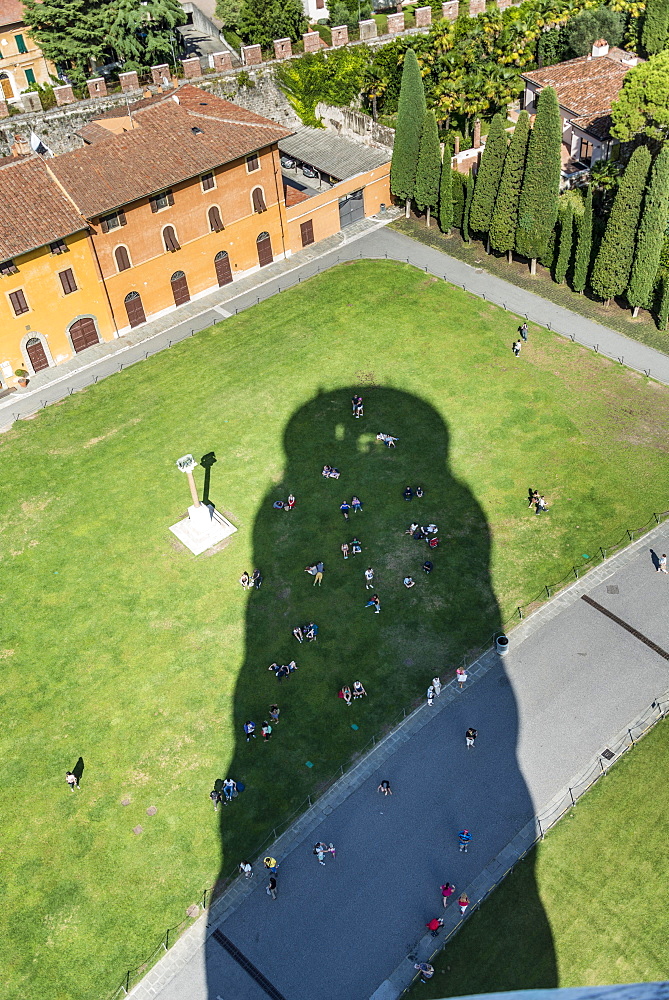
(502, 230)
(428, 171)
(584, 246)
(458, 181)
(410, 116)
(663, 309)
(611, 272)
(564, 253)
(488, 177)
(446, 192)
(650, 239)
(469, 191)
(655, 24)
(538, 203)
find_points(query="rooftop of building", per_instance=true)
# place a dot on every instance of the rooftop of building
(331, 154)
(11, 12)
(589, 84)
(34, 211)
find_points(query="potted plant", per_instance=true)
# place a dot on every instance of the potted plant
(22, 376)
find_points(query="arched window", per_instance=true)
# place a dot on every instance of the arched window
(179, 288)
(258, 199)
(223, 269)
(264, 245)
(215, 221)
(170, 239)
(122, 259)
(36, 354)
(134, 309)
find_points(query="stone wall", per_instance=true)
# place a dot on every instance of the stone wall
(356, 125)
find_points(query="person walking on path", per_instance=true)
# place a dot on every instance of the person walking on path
(246, 869)
(374, 603)
(463, 903)
(516, 348)
(266, 732)
(319, 574)
(369, 578)
(321, 849)
(532, 497)
(465, 839)
(541, 506)
(344, 549)
(470, 737)
(461, 677)
(345, 508)
(274, 711)
(384, 787)
(436, 684)
(435, 925)
(522, 330)
(249, 730)
(72, 780)
(662, 563)
(426, 970)
(270, 888)
(215, 798)
(447, 891)
(271, 864)
(430, 695)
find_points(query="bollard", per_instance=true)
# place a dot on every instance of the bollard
(548, 593)
(520, 613)
(166, 942)
(572, 797)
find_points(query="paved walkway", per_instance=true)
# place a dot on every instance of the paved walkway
(369, 238)
(578, 673)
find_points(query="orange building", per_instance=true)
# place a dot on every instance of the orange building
(52, 299)
(184, 197)
(21, 59)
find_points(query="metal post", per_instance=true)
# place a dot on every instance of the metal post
(127, 982)
(520, 613)
(603, 551)
(540, 830)
(631, 737)
(548, 593)
(204, 899)
(572, 797)
(575, 572)
(601, 765)
(167, 939)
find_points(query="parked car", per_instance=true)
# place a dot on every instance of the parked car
(309, 171)
(287, 163)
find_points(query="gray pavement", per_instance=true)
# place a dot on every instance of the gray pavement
(369, 238)
(572, 681)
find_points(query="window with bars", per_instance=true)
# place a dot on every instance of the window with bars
(162, 200)
(9, 267)
(258, 200)
(18, 301)
(67, 281)
(59, 246)
(170, 239)
(215, 221)
(112, 221)
(252, 163)
(208, 182)
(122, 259)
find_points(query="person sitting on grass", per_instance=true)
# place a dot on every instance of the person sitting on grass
(427, 566)
(410, 530)
(358, 690)
(418, 534)
(345, 693)
(356, 505)
(541, 505)
(387, 439)
(345, 508)
(282, 672)
(292, 666)
(356, 547)
(310, 632)
(297, 632)
(327, 469)
(408, 493)
(229, 790)
(433, 542)
(419, 491)
(409, 582)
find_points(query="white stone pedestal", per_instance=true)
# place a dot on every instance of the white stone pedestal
(203, 528)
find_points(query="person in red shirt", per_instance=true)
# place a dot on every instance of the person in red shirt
(435, 925)
(447, 891)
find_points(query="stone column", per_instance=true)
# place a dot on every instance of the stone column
(423, 17)
(282, 48)
(192, 67)
(222, 61)
(158, 73)
(312, 41)
(128, 81)
(4, 110)
(367, 29)
(395, 24)
(456, 145)
(476, 7)
(450, 10)
(64, 94)
(477, 134)
(97, 87)
(339, 36)
(251, 55)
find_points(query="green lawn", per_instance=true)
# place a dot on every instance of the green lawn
(119, 646)
(599, 879)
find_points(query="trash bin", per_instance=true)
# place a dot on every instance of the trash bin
(502, 644)
(382, 208)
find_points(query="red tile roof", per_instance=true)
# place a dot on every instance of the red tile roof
(585, 85)
(171, 142)
(597, 125)
(11, 12)
(33, 209)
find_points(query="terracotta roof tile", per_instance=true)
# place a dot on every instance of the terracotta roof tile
(33, 209)
(169, 144)
(11, 12)
(597, 125)
(584, 86)
(92, 132)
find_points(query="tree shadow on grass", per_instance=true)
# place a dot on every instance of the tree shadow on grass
(342, 937)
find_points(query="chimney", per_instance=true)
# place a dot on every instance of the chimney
(600, 48)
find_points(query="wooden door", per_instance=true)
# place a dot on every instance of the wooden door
(264, 245)
(134, 309)
(179, 288)
(37, 354)
(84, 334)
(7, 91)
(307, 233)
(223, 269)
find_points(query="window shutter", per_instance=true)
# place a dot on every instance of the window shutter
(67, 281)
(171, 241)
(103, 226)
(207, 182)
(258, 201)
(18, 301)
(170, 197)
(215, 221)
(154, 204)
(121, 217)
(122, 258)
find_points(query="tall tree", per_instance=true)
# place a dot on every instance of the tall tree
(70, 32)
(488, 177)
(650, 239)
(459, 182)
(583, 246)
(566, 237)
(642, 106)
(426, 193)
(446, 192)
(410, 115)
(469, 192)
(538, 203)
(261, 21)
(663, 306)
(502, 230)
(143, 34)
(655, 24)
(613, 264)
